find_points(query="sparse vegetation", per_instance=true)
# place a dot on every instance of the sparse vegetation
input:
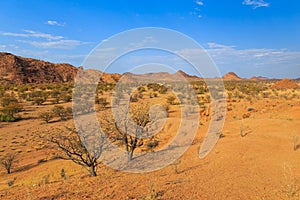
(46, 116)
(38, 100)
(7, 162)
(170, 100)
(290, 188)
(71, 147)
(63, 174)
(247, 101)
(11, 182)
(61, 112)
(242, 134)
(175, 165)
(152, 144)
(102, 102)
(131, 133)
(153, 194)
(295, 142)
(9, 112)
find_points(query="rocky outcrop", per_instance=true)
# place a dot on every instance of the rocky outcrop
(231, 76)
(285, 84)
(19, 70)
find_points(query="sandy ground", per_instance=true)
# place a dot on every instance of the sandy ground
(260, 165)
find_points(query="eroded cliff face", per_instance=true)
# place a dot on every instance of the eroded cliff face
(18, 70)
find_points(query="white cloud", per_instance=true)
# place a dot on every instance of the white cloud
(51, 56)
(2, 47)
(256, 3)
(33, 34)
(55, 23)
(199, 2)
(45, 40)
(58, 44)
(144, 42)
(197, 10)
(15, 34)
(255, 57)
(270, 62)
(213, 45)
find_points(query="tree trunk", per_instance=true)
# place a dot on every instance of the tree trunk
(92, 171)
(130, 155)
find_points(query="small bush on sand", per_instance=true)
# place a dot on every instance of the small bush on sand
(46, 116)
(7, 162)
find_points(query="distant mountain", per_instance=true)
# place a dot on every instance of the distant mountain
(129, 77)
(259, 78)
(185, 75)
(18, 70)
(96, 76)
(159, 76)
(231, 76)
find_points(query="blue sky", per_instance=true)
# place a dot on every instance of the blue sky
(249, 37)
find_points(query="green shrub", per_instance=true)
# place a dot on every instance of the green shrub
(61, 112)
(38, 100)
(102, 102)
(46, 116)
(7, 118)
(163, 89)
(66, 97)
(153, 94)
(11, 109)
(134, 98)
(6, 100)
(29, 99)
(171, 100)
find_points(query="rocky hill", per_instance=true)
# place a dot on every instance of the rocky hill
(231, 76)
(187, 76)
(18, 70)
(159, 76)
(182, 73)
(110, 78)
(285, 84)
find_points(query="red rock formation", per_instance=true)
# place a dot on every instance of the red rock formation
(285, 84)
(231, 76)
(19, 70)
